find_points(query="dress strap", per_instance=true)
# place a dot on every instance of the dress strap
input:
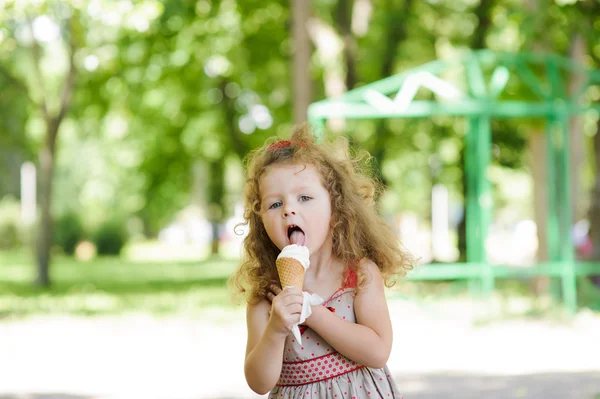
(350, 279)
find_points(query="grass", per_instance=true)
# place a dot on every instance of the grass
(197, 287)
(113, 285)
(511, 299)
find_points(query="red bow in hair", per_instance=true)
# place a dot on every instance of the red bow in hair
(283, 144)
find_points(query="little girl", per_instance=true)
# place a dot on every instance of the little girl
(312, 194)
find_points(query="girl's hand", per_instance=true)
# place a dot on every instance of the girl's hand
(286, 306)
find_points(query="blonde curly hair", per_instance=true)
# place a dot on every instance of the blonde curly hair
(357, 230)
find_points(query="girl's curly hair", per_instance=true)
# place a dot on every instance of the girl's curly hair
(357, 229)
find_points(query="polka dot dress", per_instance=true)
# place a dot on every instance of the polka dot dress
(315, 370)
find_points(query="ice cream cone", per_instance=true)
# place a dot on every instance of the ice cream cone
(291, 272)
(291, 264)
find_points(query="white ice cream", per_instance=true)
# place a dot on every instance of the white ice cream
(298, 252)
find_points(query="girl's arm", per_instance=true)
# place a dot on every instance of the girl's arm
(268, 326)
(369, 340)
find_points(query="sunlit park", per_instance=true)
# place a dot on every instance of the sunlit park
(124, 126)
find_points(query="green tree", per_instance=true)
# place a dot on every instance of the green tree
(46, 52)
(584, 16)
(49, 94)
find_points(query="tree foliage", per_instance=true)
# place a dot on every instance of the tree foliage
(164, 87)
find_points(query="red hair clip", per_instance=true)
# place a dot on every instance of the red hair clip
(283, 144)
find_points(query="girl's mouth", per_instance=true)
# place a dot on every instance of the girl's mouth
(296, 235)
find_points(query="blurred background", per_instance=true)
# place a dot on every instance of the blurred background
(123, 129)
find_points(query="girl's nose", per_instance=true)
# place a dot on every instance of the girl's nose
(288, 212)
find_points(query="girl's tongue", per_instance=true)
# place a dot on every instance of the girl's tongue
(297, 237)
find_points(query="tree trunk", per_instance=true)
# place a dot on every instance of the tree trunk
(576, 136)
(483, 13)
(48, 153)
(215, 243)
(239, 146)
(216, 203)
(537, 151)
(594, 212)
(215, 193)
(46, 174)
(301, 73)
(343, 18)
(396, 34)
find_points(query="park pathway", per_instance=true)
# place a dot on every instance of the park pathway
(438, 353)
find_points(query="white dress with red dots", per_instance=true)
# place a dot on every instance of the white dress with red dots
(316, 370)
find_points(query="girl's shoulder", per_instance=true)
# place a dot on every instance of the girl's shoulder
(367, 272)
(367, 265)
(359, 273)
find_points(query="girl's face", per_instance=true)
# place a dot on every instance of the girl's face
(295, 207)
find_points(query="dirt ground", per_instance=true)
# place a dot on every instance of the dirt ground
(438, 353)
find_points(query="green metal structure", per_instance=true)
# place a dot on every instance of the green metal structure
(480, 86)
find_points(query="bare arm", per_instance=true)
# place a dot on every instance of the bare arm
(369, 341)
(262, 348)
(268, 326)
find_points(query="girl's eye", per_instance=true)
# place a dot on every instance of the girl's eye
(275, 205)
(304, 198)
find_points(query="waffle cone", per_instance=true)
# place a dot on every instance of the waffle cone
(291, 272)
